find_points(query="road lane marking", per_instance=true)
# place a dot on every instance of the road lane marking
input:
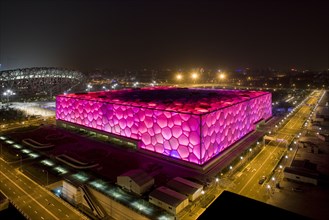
(29, 196)
(259, 168)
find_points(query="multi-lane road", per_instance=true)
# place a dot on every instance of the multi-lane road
(246, 182)
(266, 163)
(33, 200)
(269, 162)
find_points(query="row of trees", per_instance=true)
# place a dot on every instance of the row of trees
(9, 115)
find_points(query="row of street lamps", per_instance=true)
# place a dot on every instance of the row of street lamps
(194, 76)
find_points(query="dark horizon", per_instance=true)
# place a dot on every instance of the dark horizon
(88, 35)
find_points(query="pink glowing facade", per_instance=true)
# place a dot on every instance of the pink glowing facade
(193, 125)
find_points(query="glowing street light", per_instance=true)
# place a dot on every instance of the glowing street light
(89, 87)
(18, 155)
(179, 76)
(222, 76)
(194, 76)
(8, 93)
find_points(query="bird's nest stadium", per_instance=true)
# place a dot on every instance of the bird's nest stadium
(37, 82)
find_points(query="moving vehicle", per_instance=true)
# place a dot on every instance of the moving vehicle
(262, 180)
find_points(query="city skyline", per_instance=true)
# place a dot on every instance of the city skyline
(88, 35)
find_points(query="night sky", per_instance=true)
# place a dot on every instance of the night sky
(164, 34)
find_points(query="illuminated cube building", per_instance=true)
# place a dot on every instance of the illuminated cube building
(194, 125)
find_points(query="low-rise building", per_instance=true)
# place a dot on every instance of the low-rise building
(324, 137)
(188, 188)
(168, 199)
(302, 171)
(136, 181)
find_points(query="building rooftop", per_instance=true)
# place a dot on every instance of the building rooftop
(184, 100)
(183, 185)
(138, 176)
(304, 164)
(168, 196)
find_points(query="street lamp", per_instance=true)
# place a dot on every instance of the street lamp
(45, 171)
(286, 159)
(179, 77)
(89, 87)
(269, 189)
(194, 76)
(217, 182)
(8, 93)
(20, 156)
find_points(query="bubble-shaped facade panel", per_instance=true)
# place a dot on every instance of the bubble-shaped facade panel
(240, 120)
(193, 125)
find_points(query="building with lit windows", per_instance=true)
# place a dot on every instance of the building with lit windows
(190, 124)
